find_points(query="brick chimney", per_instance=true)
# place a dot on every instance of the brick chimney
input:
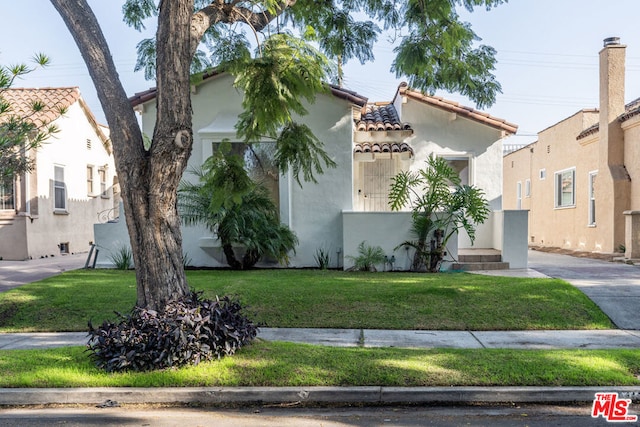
(612, 74)
(613, 185)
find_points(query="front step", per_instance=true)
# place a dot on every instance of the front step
(475, 266)
(479, 259)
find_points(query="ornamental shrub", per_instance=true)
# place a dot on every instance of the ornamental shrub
(185, 332)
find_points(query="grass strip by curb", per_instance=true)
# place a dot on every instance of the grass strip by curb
(279, 364)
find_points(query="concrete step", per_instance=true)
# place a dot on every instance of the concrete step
(464, 258)
(475, 266)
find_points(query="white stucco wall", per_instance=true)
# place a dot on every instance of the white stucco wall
(315, 209)
(312, 211)
(387, 230)
(322, 214)
(441, 133)
(511, 236)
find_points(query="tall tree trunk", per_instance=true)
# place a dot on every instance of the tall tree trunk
(149, 179)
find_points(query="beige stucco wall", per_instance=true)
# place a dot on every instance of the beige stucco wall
(517, 168)
(631, 129)
(556, 150)
(13, 237)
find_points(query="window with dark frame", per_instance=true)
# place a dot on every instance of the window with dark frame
(59, 189)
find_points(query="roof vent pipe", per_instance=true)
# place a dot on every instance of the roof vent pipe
(610, 41)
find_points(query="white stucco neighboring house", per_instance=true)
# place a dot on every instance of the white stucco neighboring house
(370, 143)
(51, 210)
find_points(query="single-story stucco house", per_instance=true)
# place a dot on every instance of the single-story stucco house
(370, 143)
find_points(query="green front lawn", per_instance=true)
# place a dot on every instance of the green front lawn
(283, 364)
(319, 299)
(311, 298)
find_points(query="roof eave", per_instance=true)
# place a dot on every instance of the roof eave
(454, 107)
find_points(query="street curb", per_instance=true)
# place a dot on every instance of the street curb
(306, 395)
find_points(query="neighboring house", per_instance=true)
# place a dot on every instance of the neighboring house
(581, 179)
(51, 210)
(370, 143)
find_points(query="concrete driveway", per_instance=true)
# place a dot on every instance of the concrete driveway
(614, 287)
(17, 273)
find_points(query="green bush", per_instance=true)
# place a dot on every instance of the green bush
(185, 332)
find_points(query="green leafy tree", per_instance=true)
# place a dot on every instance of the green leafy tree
(440, 205)
(21, 127)
(437, 52)
(240, 211)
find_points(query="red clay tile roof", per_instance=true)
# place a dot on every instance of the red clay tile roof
(380, 117)
(55, 100)
(461, 110)
(373, 147)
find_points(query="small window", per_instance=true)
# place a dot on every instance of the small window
(88, 144)
(102, 173)
(565, 188)
(527, 188)
(89, 180)
(59, 189)
(518, 195)
(592, 198)
(542, 174)
(64, 248)
(7, 196)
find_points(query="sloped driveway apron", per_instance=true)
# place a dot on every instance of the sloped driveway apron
(614, 287)
(18, 273)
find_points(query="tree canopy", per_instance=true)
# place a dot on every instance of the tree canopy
(20, 131)
(434, 48)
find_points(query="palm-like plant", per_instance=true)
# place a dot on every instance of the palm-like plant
(368, 257)
(440, 206)
(240, 211)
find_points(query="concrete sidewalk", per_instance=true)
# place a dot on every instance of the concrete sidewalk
(580, 339)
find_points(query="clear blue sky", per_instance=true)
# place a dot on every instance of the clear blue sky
(547, 55)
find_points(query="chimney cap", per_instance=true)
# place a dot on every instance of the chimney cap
(610, 41)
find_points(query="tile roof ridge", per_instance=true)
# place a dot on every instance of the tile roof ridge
(455, 107)
(349, 95)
